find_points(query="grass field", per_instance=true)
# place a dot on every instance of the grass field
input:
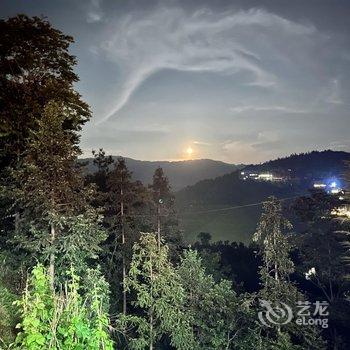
(233, 225)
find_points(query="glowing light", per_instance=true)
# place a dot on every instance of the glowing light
(189, 151)
(333, 184)
(341, 211)
(310, 273)
(319, 185)
(266, 177)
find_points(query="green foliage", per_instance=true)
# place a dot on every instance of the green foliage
(123, 201)
(165, 221)
(159, 295)
(324, 251)
(275, 271)
(221, 319)
(56, 222)
(37, 310)
(36, 68)
(48, 181)
(283, 342)
(61, 321)
(80, 240)
(275, 249)
(8, 315)
(324, 246)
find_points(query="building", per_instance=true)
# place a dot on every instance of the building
(263, 176)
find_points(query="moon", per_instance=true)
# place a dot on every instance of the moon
(189, 151)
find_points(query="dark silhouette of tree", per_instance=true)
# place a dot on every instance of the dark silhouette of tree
(35, 68)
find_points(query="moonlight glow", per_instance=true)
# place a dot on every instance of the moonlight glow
(189, 151)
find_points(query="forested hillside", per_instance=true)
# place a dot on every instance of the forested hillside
(180, 173)
(228, 190)
(312, 165)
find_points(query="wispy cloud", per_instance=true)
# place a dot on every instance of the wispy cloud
(95, 13)
(334, 96)
(342, 145)
(204, 41)
(201, 143)
(241, 152)
(255, 148)
(241, 109)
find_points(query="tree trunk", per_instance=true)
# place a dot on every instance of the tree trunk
(276, 272)
(158, 224)
(123, 245)
(151, 309)
(52, 257)
(151, 331)
(274, 244)
(335, 339)
(17, 217)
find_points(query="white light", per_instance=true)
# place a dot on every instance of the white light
(341, 211)
(189, 151)
(333, 185)
(310, 273)
(319, 185)
(265, 176)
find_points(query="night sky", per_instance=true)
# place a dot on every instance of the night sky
(238, 81)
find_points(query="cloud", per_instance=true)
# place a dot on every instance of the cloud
(254, 147)
(95, 13)
(334, 97)
(342, 145)
(241, 109)
(143, 43)
(241, 152)
(201, 143)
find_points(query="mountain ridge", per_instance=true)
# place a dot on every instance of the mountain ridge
(180, 173)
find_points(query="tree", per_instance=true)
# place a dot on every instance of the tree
(103, 164)
(277, 265)
(159, 296)
(204, 238)
(220, 318)
(8, 315)
(166, 224)
(161, 197)
(324, 255)
(275, 271)
(35, 68)
(125, 202)
(55, 216)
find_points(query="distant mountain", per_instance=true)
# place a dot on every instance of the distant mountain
(179, 173)
(202, 204)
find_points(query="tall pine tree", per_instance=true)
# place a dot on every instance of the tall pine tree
(275, 276)
(164, 213)
(159, 296)
(57, 223)
(35, 68)
(124, 210)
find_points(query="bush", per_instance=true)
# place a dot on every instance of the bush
(63, 320)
